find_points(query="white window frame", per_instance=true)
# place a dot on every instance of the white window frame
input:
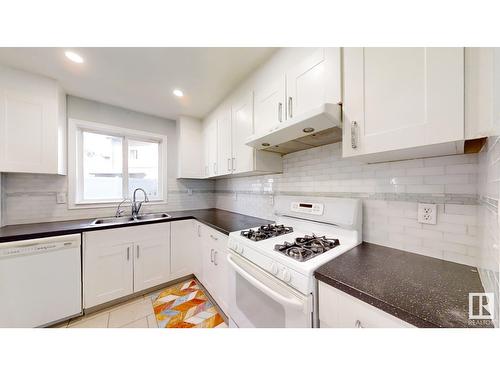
(75, 161)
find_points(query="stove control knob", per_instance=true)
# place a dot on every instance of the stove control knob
(287, 277)
(274, 269)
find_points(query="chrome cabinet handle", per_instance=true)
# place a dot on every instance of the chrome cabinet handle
(213, 237)
(211, 255)
(229, 164)
(199, 231)
(280, 112)
(358, 324)
(290, 101)
(354, 134)
(137, 251)
(128, 253)
(234, 164)
(215, 259)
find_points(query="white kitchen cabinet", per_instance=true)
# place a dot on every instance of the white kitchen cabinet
(214, 274)
(210, 147)
(340, 310)
(224, 141)
(313, 82)
(225, 132)
(190, 154)
(269, 105)
(119, 262)
(306, 85)
(151, 256)
(482, 92)
(402, 99)
(185, 239)
(242, 128)
(32, 123)
(108, 269)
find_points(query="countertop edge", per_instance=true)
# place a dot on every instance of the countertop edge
(377, 303)
(90, 228)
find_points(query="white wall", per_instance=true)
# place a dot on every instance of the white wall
(390, 192)
(31, 198)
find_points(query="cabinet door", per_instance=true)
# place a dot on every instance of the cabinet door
(269, 106)
(242, 128)
(221, 277)
(313, 82)
(210, 143)
(224, 149)
(399, 98)
(28, 133)
(183, 251)
(208, 270)
(107, 267)
(152, 256)
(340, 310)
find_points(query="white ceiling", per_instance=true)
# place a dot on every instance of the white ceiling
(142, 79)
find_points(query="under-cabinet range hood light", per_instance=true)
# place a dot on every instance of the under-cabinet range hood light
(317, 127)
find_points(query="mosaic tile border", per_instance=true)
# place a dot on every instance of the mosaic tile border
(406, 197)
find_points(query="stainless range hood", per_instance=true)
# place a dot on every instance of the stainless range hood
(317, 127)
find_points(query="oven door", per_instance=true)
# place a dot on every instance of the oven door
(259, 300)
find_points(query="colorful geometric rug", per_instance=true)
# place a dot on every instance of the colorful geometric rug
(185, 305)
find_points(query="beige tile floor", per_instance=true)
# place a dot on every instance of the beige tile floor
(135, 313)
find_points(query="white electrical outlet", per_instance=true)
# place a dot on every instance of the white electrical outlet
(271, 200)
(190, 191)
(427, 213)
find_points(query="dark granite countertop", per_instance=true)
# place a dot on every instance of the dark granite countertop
(423, 291)
(223, 221)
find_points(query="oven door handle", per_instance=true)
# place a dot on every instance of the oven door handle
(263, 287)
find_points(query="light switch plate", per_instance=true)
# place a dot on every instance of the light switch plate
(427, 213)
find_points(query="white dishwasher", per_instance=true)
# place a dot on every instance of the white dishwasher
(40, 281)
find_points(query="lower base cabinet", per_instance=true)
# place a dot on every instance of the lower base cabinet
(214, 273)
(185, 256)
(340, 310)
(119, 262)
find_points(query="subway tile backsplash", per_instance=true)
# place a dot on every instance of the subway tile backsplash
(390, 193)
(488, 218)
(31, 198)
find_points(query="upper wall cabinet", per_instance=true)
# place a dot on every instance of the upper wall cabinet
(306, 85)
(402, 101)
(190, 148)
(313, 82)
(224, 134)
(32, 123)
(270, 105)
(210, 147)
(482, 92)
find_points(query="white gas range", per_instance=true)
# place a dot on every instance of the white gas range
(272, 282)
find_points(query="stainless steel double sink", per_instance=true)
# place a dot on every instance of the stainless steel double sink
(130, 219)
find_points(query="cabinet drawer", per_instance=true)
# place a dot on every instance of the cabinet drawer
(340, 310)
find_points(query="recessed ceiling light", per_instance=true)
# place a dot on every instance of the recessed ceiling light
(74, 57)
(178, 93)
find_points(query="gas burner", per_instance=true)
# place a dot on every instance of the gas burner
(305, 248)
(266, 231)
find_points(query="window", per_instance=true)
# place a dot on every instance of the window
(107, 163)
